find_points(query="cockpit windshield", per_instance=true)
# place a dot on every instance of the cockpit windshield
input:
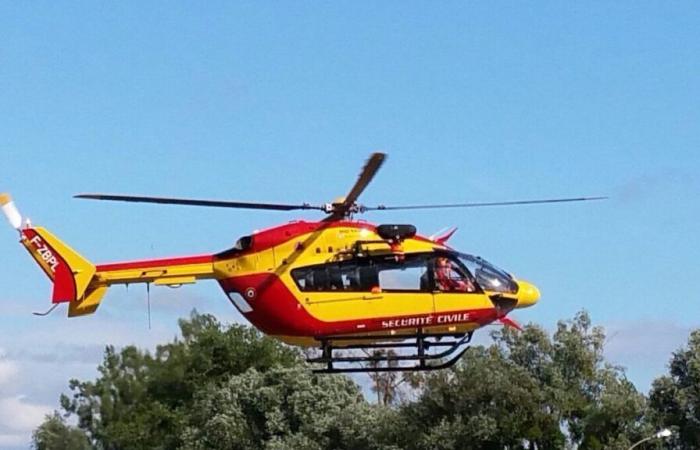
(489, 277)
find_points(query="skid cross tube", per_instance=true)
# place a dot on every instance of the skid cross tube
(421, 343)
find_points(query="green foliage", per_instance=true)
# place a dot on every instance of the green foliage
(281, 409)
(230, 387)
(143, 401)
(528, 390)
(486, 402)
(675, 398)
(55, 434)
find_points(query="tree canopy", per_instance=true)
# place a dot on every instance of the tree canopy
(222, 386)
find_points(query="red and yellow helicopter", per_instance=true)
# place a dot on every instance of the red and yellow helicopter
(335, 284)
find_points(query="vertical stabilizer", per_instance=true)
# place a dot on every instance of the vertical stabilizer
(70, 272)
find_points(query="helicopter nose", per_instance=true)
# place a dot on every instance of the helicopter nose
(528, 294)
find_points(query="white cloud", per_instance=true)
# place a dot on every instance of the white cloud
(19, 415)
(17, 440)
(638, 341)
(8, 369)
(644, 348)
(40, 354)
(645, 185)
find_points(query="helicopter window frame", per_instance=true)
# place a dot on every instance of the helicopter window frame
(390, 265)
(510, 286)
(454, 259)
(332, 277)
(364, 274)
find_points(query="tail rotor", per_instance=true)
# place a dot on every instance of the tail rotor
(11, 212)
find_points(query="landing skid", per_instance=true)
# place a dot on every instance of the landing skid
(389, 361)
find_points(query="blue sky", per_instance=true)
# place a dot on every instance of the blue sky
(284, 102)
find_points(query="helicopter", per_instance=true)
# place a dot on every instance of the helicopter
(369, 298)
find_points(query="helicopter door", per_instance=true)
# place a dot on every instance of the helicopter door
(367, 289)
(405, 287)
(455, 291)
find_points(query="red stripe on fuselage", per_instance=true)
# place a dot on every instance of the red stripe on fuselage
(146, 263)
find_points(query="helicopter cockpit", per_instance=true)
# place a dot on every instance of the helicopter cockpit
(489, 277)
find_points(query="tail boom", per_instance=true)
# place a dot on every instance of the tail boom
(171, 272)
(83, 285)
(163, 272)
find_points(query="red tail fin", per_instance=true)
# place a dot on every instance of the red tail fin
(70, 272)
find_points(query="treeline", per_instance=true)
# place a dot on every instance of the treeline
(229, 387)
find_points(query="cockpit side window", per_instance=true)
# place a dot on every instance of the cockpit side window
(488, 276)
(330, 277)
(410, 274)
(451, 276)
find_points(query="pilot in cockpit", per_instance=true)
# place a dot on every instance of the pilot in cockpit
(449, 278)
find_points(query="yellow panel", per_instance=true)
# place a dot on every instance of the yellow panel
(460, 301)
(188, 272)
(322, 247)
(89, 304)
(174, 281)
(331, 307)
(336, 306)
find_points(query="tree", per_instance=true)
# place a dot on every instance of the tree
(391, 387)
(592, 400)
(529, 390)
(55, 434)
(231, 387)
(142, 400)
(283, 408)
(675, 398)
(485, 402)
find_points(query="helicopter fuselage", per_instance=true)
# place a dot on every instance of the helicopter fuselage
(304, 281)
(308, 281)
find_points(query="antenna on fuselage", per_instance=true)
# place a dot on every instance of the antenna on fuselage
(148, 303)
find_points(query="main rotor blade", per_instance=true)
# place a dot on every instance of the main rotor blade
(476, 205)
(195, 202)
(368, 172)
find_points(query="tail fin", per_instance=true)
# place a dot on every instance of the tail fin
(70, 272)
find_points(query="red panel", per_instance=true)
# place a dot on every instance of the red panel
(271, 237)
(146, 263)
(64, 289)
